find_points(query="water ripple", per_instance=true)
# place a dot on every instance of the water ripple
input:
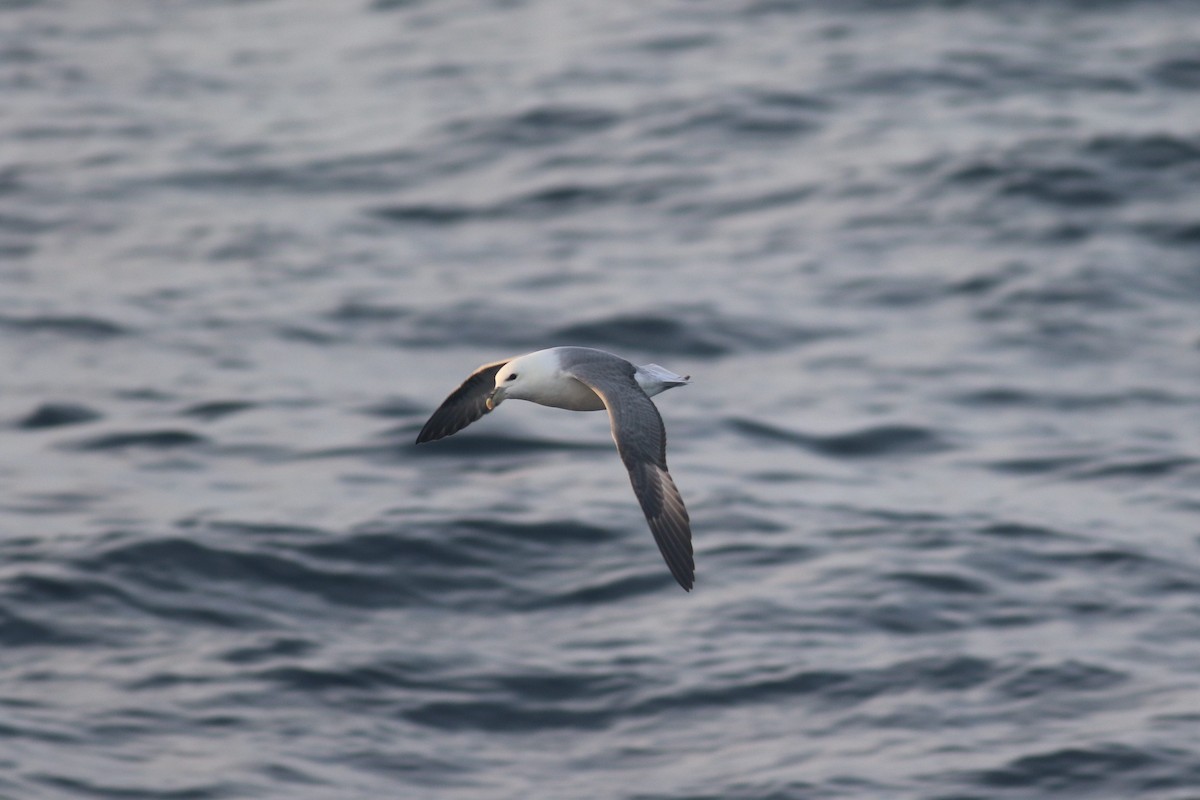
(54, 415)
(871, 442)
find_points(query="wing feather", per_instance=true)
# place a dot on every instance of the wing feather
(465, 404)
(641, 439)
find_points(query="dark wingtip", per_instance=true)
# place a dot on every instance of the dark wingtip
(684, 579)
(437, 428)
(681, 564)
(431, 434)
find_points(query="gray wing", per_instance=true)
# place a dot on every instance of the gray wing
(641, 439)
(465, 404)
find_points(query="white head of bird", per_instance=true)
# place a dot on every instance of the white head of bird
(526, 378)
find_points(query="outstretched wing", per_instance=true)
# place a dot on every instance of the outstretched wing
(641, 439)
(465, 404)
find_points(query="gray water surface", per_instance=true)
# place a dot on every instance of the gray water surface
(934, 269)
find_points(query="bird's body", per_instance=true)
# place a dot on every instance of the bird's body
(584, 379)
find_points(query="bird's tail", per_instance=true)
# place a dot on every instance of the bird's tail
(654, 379)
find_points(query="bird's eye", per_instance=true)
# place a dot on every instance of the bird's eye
(512, 377)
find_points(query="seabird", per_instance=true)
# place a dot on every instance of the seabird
(585, 379)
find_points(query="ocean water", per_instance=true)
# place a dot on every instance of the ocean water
(934, 268)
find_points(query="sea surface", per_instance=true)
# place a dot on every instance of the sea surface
(934, 268)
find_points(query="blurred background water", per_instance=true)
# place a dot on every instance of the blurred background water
(933, 266)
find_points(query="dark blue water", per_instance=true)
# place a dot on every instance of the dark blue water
(934, 268)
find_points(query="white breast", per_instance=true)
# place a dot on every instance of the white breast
(570, 394)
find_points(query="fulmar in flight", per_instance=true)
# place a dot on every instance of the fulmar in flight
(583, 379)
